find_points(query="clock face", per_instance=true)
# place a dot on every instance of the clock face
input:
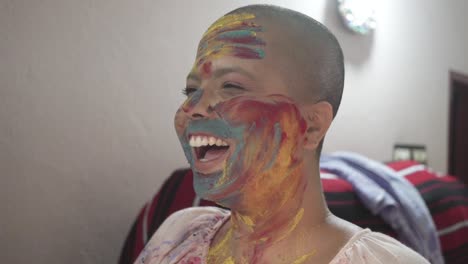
(358, 15)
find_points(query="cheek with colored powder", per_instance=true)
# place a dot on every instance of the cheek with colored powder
(271, 156)
(268, 141)
(266, 132)
(273, 126)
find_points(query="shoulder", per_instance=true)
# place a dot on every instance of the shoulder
(184, 229)
(189, 219)
(373, 247)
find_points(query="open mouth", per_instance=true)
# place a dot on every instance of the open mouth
(208, 148)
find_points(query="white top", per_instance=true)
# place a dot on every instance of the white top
(186, 235)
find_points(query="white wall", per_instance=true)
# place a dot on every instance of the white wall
(88, 90)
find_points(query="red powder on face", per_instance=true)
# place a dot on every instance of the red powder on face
(270, 109)
(248, 53)
(206, 69)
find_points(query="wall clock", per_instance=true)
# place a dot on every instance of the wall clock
(358, 15)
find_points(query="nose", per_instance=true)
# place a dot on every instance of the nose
(199, 105)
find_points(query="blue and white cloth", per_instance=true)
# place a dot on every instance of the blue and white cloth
(390, 196)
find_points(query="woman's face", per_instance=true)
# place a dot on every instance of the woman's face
(245, 137)
(239, 129)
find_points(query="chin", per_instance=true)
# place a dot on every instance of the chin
(208, 188)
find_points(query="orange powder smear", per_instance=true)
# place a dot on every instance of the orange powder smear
(283, 173)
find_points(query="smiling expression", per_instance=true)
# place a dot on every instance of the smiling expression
(235, 128)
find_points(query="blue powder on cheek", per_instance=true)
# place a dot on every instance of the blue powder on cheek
(234, 164)
(206, 185)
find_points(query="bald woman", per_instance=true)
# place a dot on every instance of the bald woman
(264, 88)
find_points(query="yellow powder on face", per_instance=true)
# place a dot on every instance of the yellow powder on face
(223, 177)
(228, 21)
(237, 26)
(229, 260)
(281, 174)
(262, 195)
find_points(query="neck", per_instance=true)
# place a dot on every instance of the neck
(297, 204)
(275, 221)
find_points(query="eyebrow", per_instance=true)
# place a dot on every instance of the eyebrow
(221, 72)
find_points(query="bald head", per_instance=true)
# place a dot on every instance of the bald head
(308, 54)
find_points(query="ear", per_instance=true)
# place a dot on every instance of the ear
(318, 118)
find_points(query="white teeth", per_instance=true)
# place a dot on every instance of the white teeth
(212, 141)
(199, 141)
(204, 141)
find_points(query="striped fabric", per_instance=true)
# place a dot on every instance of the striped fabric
(446, 198)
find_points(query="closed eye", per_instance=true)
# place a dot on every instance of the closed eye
(230, 85)
(188, 90)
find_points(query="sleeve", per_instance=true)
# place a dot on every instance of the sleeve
(174, 231)
(175, 194)
(377, 248)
